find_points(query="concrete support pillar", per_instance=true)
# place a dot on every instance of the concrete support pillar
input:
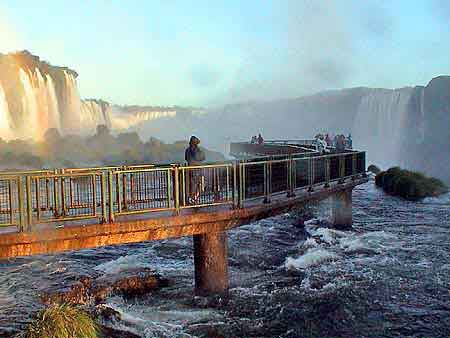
(211, 263)
(342, 209)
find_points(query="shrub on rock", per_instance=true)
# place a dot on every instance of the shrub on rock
(410, 185)
(62, 321)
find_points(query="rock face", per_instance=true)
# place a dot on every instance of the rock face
(36, 96)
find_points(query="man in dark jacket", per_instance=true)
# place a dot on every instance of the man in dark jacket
(194, 156)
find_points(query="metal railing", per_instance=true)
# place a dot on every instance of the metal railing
(102, 194)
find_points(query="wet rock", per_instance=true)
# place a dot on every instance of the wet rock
(127, 283)
(115, 333)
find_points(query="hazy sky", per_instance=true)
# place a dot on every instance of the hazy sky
(207, 52)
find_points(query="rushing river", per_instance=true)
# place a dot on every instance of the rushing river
(388, 277)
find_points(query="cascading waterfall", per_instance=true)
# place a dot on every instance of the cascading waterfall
(72, 116)
(5, 123)
(39, 103)
(379, 124)
(94, 113)
(29, 104)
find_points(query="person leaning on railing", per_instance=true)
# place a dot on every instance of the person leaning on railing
(194, 156)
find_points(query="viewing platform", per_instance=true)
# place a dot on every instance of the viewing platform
(49, 211)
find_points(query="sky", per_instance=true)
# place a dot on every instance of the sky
(206, 53)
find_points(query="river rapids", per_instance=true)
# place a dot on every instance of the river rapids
(388, 277)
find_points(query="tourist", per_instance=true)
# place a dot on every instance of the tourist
(194, 156)
(349, 141)
(254, 139)
(340, 143)
(320, 144)
(328, 140)
(260, 139)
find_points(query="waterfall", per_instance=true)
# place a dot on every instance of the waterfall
(125, 120)
(29, 104)
(39, 103)
(94, 113)
(72, 121)
(380, 122)
(422, 115)
(5, 127)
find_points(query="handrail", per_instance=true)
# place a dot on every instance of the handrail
(34, 197)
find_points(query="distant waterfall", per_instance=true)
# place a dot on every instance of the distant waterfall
(5, 122)
(94, 113)
(379, 124)
(123, 120)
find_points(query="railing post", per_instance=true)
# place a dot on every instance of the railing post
(124, 187)
(177, 190)
(235, 186)
(354, 174)
(267, 181)
(103, 196)
(21, 206)
(290, 177)
(29, 205)
(341, 169)
(311, 174)
(55, 196)
(241, 184)
(110, 196)
(327, 172)
(63, 199)
(119, 199)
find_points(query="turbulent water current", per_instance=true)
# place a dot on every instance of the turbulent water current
(388, 277)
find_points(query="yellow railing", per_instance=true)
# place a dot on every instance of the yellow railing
(102, 194)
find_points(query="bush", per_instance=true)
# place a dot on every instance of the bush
(62, 321)
(373, 169)
(410, 185)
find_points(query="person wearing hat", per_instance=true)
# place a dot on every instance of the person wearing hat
(194, 156)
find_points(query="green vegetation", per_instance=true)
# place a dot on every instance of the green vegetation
(373, 169)
(101, 149)
(410, 185)
(62, 321)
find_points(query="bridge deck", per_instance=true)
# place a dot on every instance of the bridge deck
(46, 212)
(159, 225)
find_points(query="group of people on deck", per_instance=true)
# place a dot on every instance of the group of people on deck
(339, 143)
(257, 139)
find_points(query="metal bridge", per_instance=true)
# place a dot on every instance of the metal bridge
(49, 211)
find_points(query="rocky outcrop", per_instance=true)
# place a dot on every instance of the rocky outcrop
(88, 290)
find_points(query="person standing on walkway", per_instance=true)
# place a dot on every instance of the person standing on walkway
(260, 139)
(194, 156)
